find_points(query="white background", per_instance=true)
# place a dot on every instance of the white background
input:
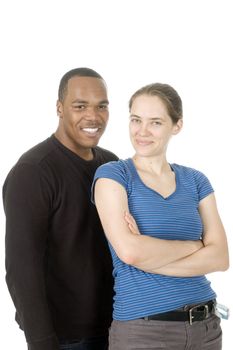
(131, 43)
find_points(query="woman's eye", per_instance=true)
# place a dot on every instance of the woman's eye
(135, 120)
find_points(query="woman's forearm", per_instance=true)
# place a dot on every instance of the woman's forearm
(149, 254)
(213, 255)
(206, 260)
(154, 253)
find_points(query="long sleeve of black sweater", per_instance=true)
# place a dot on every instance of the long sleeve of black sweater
(26, 205)
(58, 265)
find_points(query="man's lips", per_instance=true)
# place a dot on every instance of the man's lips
(91, 130)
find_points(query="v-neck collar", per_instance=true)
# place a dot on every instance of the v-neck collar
(135, 172)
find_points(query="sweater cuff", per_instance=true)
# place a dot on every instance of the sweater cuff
(50, 343)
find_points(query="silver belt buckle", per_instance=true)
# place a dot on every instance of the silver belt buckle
(191, 317)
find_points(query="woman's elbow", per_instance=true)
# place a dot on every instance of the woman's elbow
(128, 256)
(219, 258)
(225, 263)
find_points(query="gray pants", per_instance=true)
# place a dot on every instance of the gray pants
(166, 335)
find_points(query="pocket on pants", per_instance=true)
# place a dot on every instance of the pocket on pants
(213, 333)
(137, 335)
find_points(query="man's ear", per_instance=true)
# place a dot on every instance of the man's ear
(59, 109)
(177, 127)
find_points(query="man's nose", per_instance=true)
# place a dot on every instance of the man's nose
(91, 113)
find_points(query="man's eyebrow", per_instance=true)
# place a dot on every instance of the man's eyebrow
(79, 101)
(106, 102)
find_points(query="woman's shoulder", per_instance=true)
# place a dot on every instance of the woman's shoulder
(115, 170)
(193, 179)
(114, 166)
(187, 171)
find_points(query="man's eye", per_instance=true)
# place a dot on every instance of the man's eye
(103, 107)
(79, 106)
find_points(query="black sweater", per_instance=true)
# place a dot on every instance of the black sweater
(59, 270)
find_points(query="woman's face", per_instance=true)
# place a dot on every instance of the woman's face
(150, 126)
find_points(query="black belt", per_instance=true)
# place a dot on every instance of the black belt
(189, 313)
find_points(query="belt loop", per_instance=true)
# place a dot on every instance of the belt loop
(206, 311)
(191, 317)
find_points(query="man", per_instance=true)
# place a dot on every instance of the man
(57, 260)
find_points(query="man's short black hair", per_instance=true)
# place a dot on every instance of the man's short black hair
(80, 72)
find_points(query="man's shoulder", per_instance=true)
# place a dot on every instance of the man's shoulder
(105, 154)
(27, 170)
(37, 153)
(31, 161)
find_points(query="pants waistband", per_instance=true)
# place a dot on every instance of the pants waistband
(190, 313)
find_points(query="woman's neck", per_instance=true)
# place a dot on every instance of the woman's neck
(157, 165)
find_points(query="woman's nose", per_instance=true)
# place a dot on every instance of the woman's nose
(143, 130)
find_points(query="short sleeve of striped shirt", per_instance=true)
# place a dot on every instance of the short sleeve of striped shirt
(115, 170)
(204, 187)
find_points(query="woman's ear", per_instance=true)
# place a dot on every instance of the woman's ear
(177, 127)
(59, 109)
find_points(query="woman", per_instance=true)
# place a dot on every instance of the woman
(162, 298)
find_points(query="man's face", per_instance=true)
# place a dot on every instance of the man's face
(83, 115)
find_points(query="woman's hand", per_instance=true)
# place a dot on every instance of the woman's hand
(132, 223)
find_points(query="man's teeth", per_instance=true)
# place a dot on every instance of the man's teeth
(90, 130)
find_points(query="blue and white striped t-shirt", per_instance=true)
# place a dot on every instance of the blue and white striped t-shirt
(138, 293)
